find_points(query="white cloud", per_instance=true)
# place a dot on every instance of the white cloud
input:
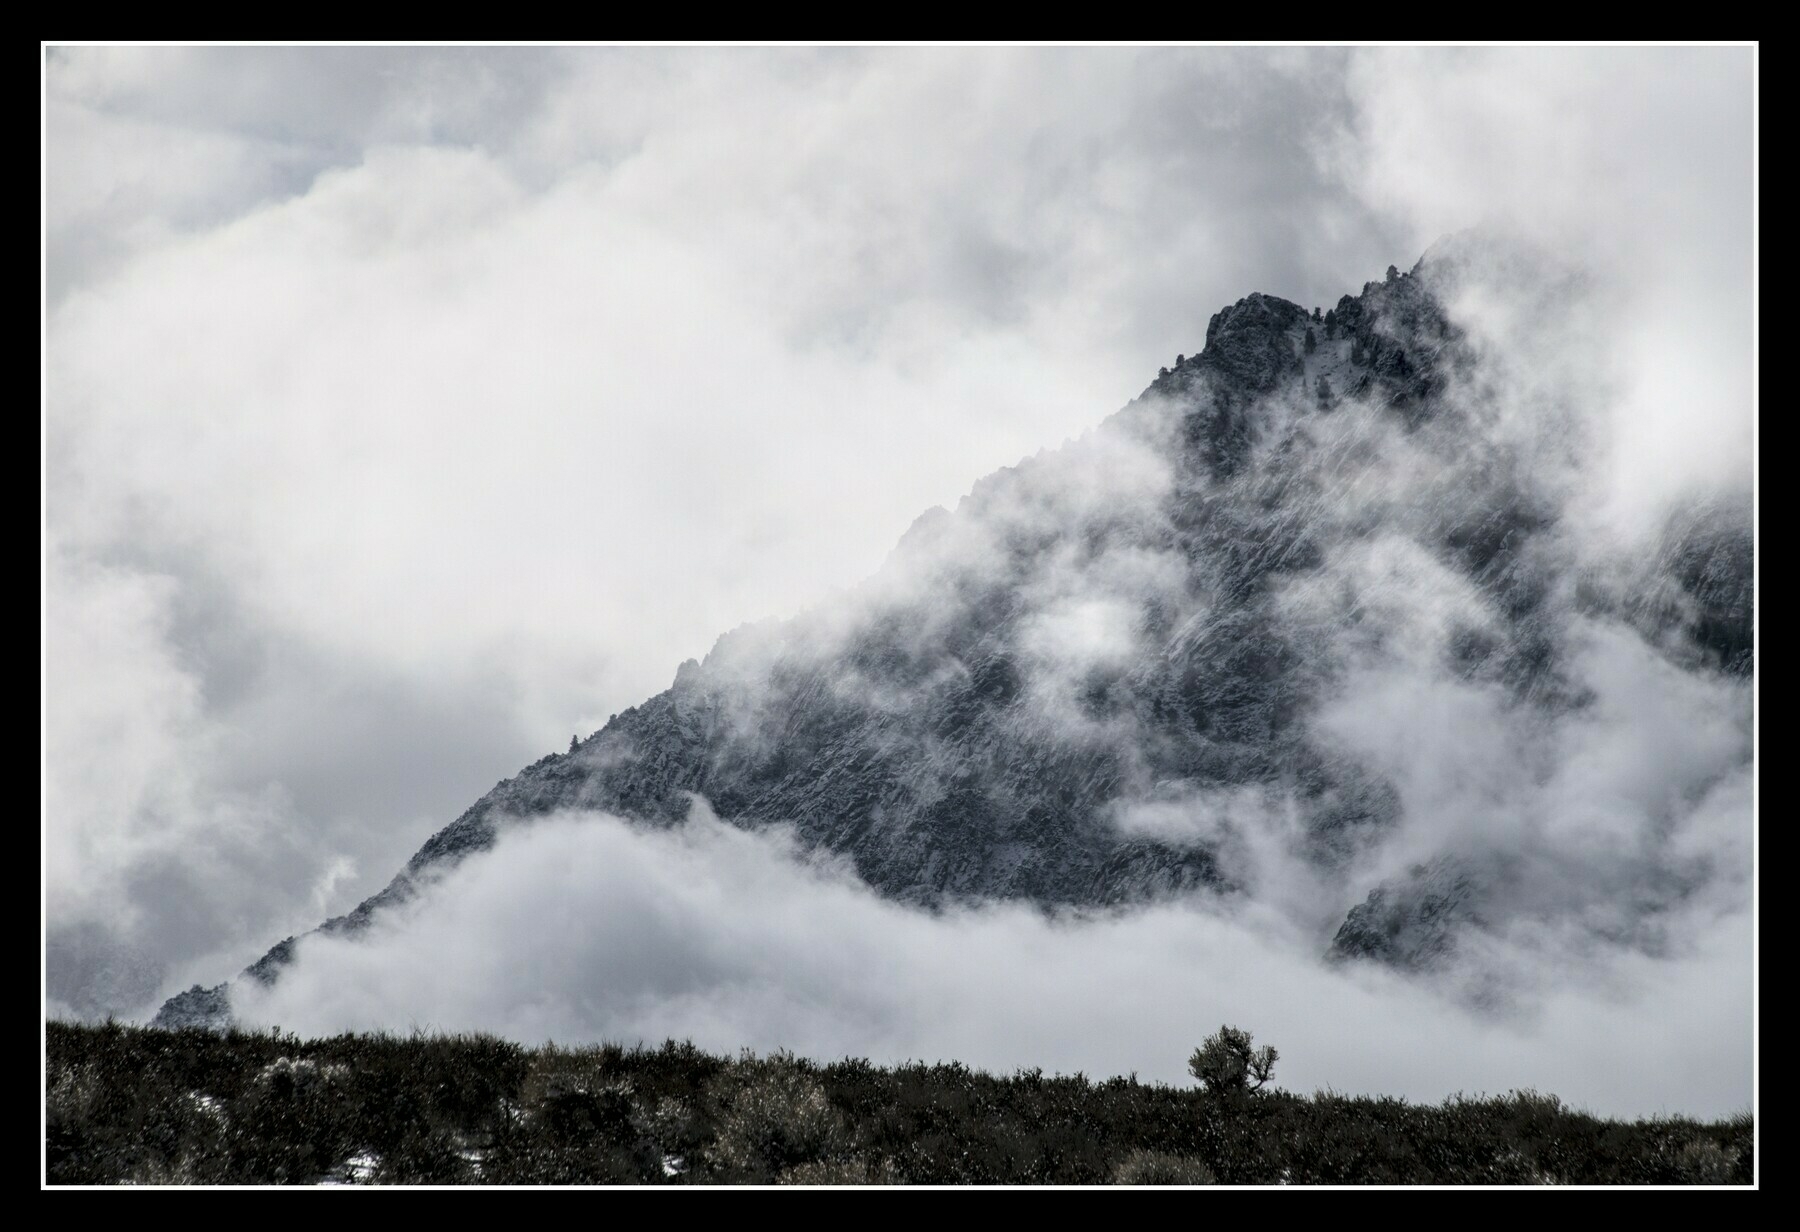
(443, 390)
(143, 835)
(1633, 164)
(583, 928)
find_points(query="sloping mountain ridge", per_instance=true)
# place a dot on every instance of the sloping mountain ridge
(1097, 681)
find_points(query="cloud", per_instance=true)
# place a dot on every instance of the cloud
(140, 837)
(1633, 164)
(446, 399)
(147, 146)
(407, 410)
(584, 928)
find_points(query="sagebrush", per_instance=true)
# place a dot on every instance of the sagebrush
(128, 1105)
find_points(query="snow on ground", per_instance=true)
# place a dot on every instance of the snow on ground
(359, 1169)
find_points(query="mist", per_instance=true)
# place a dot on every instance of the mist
(585, 928)
(408, 410)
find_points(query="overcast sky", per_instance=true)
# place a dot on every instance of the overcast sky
(408, 410)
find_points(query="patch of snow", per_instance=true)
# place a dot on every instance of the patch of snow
(359, 1169)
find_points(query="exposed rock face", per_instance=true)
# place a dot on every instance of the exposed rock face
(1040, 692)
(197, 1007)
(1412, 923)
(1711, 555)
(1247, 346)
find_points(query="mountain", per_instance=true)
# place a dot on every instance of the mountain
(1119, 671)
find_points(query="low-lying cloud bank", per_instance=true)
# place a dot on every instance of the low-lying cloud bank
(584, 928)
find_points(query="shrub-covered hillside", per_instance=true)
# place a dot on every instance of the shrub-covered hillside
(132, 1105)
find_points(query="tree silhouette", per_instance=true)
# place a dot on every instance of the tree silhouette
(1226, 1064)
(1312, 343)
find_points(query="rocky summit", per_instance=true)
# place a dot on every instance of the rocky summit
(1117, 672)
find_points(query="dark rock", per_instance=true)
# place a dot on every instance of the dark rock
(206, 1008)
(1412, 923)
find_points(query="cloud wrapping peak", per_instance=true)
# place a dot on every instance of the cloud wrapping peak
(407, 410)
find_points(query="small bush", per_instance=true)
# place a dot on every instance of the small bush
(820, 1172)
(1706, 1163)
(1226, 1064)
(1143, 1167)
(774, 1116)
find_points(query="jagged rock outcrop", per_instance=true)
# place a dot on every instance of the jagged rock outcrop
(197, 1007)
(1411, 923)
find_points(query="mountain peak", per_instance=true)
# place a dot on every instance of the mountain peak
(1256, 314)
(1094, 680)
